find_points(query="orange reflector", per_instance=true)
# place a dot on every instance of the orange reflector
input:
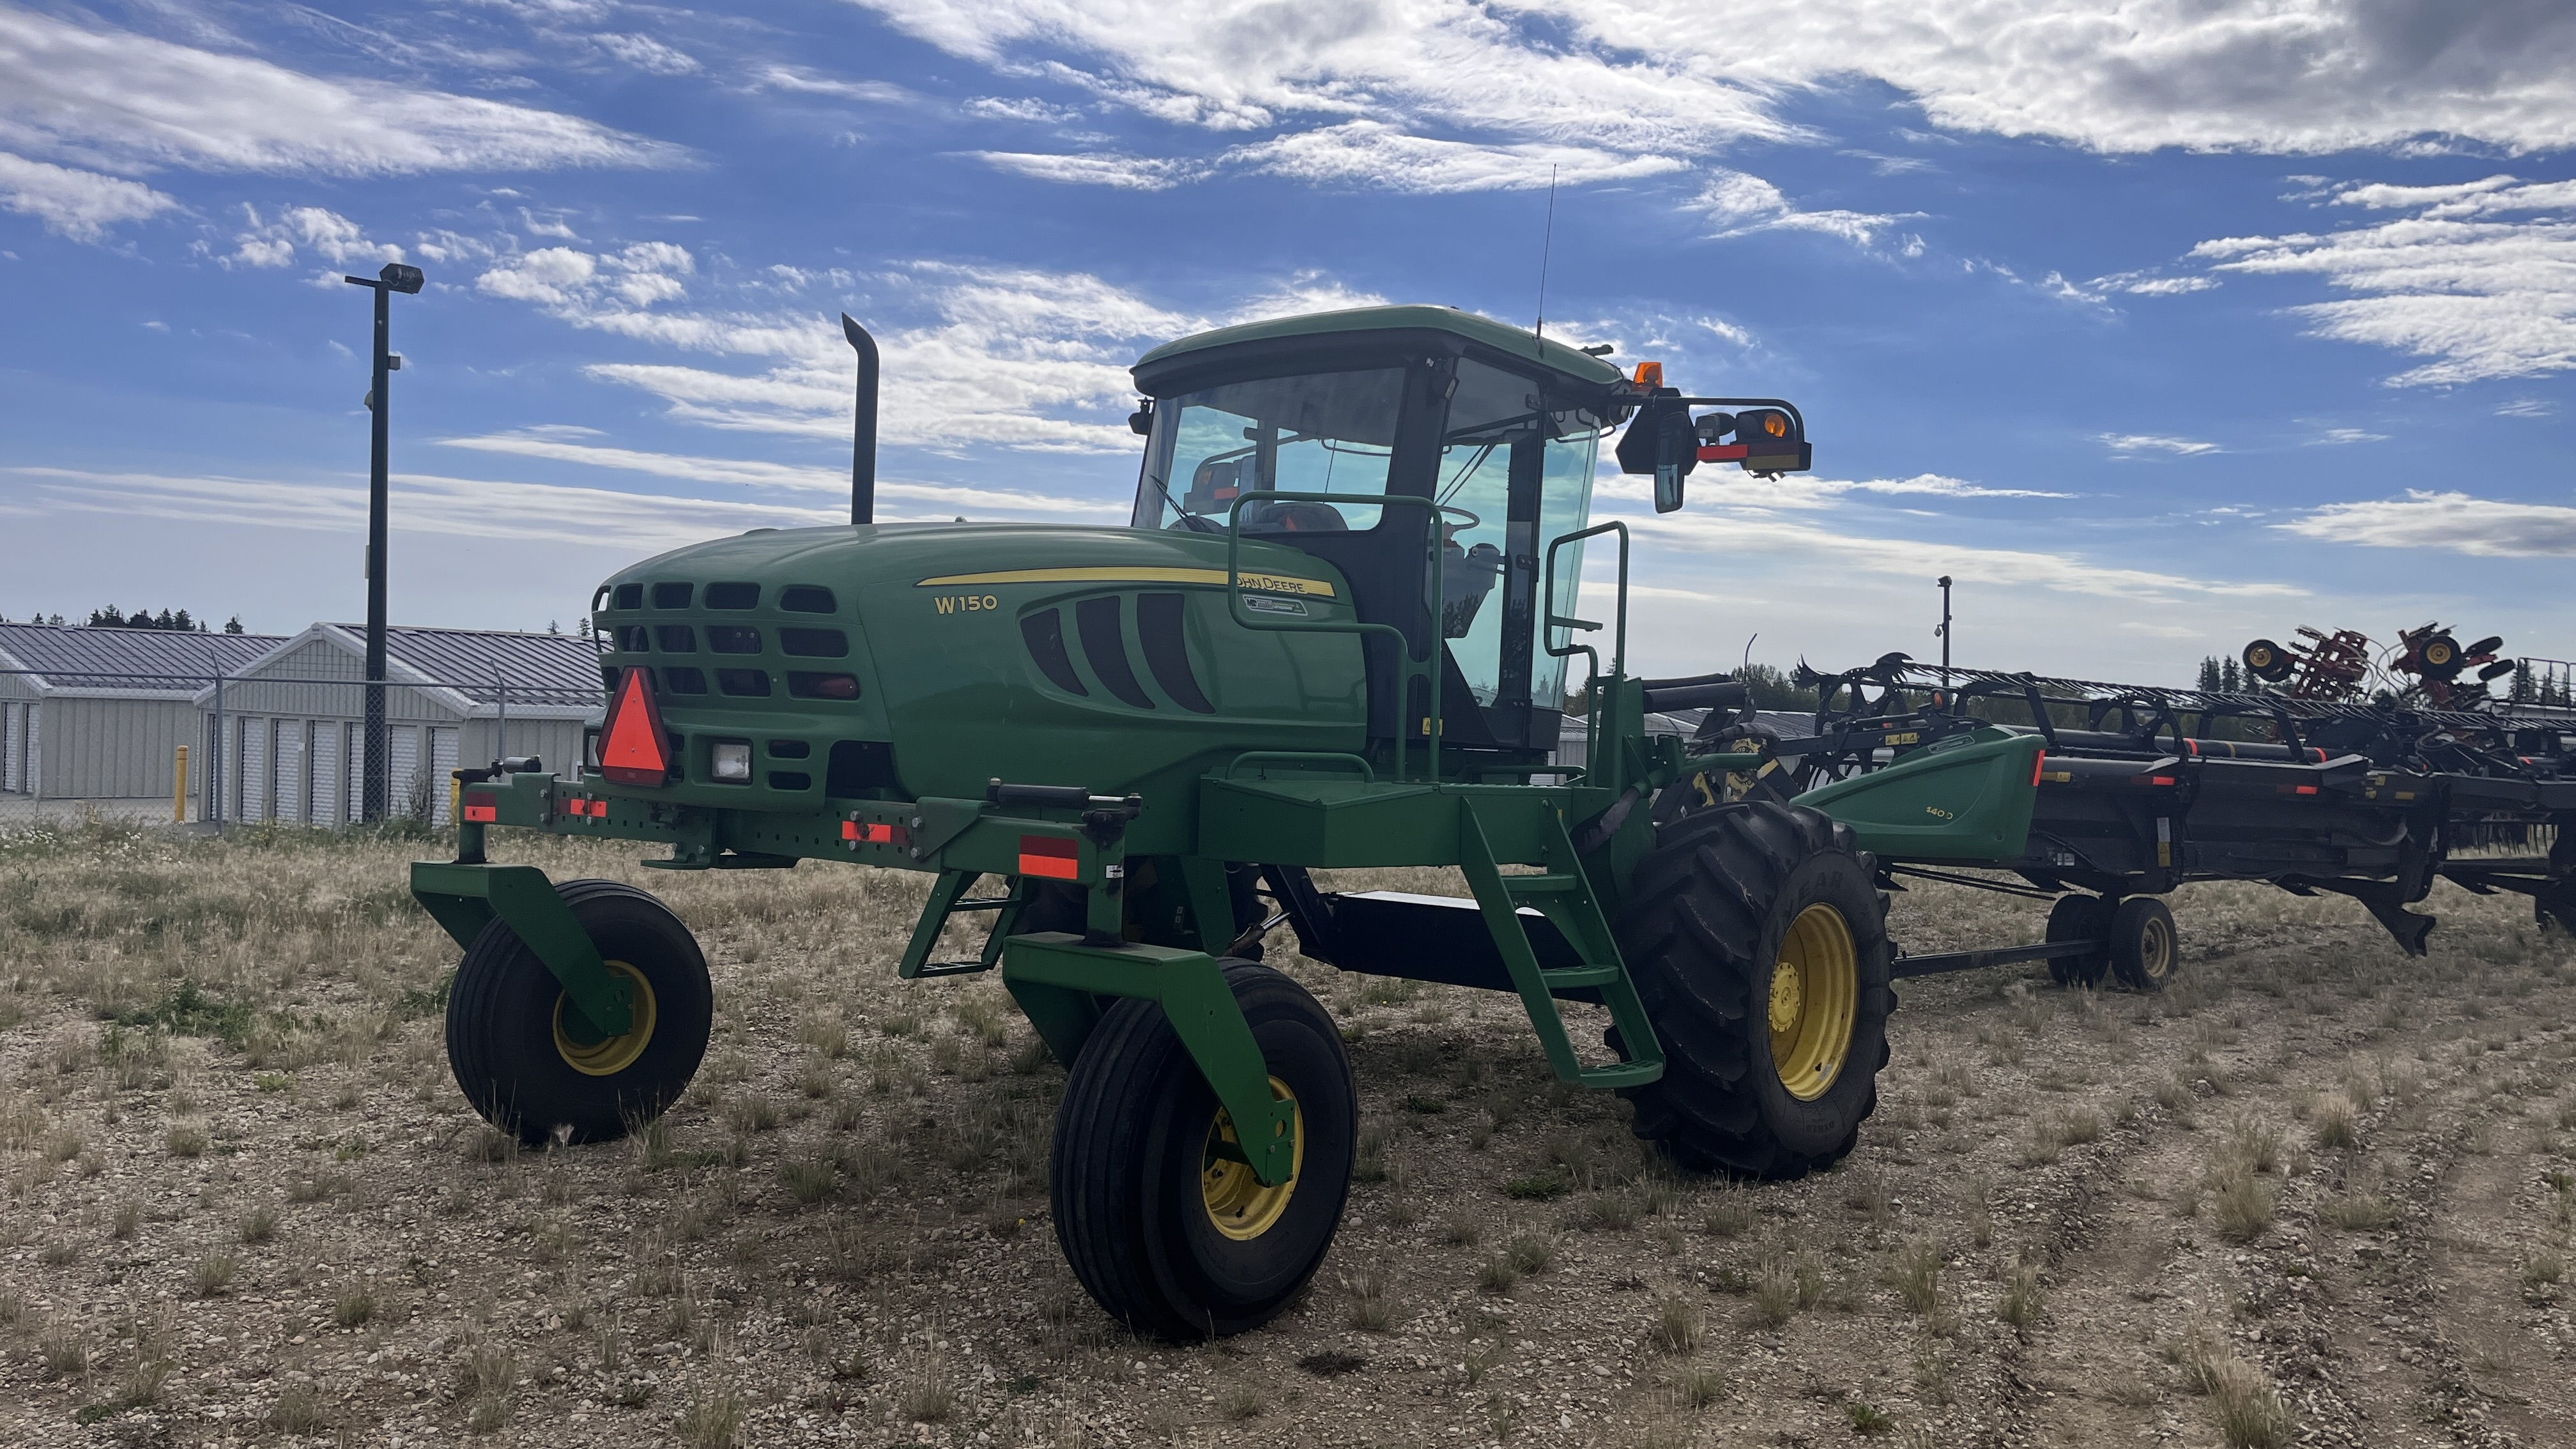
(1045, 855)
(869, 832)
(1650, 374)
(630, 742)
(482, 809)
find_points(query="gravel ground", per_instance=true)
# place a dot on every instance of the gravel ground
(2315, 1193)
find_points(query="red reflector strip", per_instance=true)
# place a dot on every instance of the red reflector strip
(2304, 790)
(2038, 762)
(1050, 857)
(1723, 453)
(482, 809)
(2161, 780)
(870, 832)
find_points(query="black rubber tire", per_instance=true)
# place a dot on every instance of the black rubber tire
(501, 1022)
(2267, 661)
(1701, 930)
(2079, 918)
(1130, 1140)
(2138, 957)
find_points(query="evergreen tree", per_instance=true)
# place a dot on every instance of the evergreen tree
(2209, 675)
(2229, 679)
(233, 625)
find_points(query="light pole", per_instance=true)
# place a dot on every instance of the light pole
(396, 277)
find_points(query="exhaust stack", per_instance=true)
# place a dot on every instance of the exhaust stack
(863, 427)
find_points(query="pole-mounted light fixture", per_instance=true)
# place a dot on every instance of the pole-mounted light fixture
(378, 773)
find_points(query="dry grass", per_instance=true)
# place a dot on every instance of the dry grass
(220, 1065)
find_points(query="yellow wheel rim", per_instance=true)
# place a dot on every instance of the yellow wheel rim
(2156, 948)
(610, 1055)
(1240, 1205)
(2437, 654)
(2259, 658)
(1815, 996)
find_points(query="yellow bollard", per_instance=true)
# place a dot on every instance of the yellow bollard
(179, 790)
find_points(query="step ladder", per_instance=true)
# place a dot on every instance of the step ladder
(1563, 894)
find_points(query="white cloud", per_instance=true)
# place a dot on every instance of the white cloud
(2454, 522)
(1355, 153)
(1736, 534)
(2132, 444)
(2333, 437)
(806, 82)
(1372, 153)
(328, 234)
(124, 101)
(647, 54)
(1739, 203)
(1022, 108)
(423, 503)
(80, 205)
(2481, 279)
(1127, 173)
(608, 290)
(1670, 76)
(983, 501)
(2526, 407)
(2168, 286)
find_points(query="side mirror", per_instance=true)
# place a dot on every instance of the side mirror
(1772, 442)
(1660, 442)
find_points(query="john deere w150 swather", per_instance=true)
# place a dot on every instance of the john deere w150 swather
(1336, 632)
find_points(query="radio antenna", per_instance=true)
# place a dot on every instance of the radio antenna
(1547, 240)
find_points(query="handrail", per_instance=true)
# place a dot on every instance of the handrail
(1368, 773)
(1410, 667)
(1592, 656)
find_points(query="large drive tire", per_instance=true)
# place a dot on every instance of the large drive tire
(2144, 948)
(2079, 918)
(1759, 946)
(527, 1073)
(1171, 1240)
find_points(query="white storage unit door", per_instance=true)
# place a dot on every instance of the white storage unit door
(353, 764)
(13, 742)
(324, 771)
(288, 752)
(442, 762)
(254, 769)
(31, 755)
(404, 741)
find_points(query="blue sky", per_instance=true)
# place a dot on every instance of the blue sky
(2159, 326)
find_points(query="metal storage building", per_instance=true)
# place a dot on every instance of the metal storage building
(290, 723)
(79, 725)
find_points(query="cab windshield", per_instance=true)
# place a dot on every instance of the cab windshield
(1330, 432)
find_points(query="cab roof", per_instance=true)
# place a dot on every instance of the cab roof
(1484, 331)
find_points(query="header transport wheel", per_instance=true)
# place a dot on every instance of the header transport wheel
(2144, 949)
(532, 1064)
(1759, 947)
(1166, 1226)
(2079, 918)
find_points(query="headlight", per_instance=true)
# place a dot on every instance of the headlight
(733, 761)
